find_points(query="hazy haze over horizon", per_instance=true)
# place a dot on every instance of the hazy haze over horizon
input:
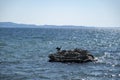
(99, 13)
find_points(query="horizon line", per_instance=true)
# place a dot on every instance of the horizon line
(59, 25)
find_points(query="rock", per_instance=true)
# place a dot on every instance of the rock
(76, 55)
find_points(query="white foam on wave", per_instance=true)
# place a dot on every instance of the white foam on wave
(108, 58)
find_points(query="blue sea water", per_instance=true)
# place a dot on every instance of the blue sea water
(24, 53)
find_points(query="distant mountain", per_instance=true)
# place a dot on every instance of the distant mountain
(16, 25)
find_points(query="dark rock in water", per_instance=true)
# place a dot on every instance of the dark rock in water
(76, 55)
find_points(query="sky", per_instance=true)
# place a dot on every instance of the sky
(97, 13)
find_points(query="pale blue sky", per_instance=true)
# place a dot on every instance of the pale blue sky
(101, 13)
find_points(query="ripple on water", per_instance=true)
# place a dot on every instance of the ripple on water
(3, 44)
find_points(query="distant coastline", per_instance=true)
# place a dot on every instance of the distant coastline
(17, 25)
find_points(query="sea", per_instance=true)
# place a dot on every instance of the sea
(24, 53)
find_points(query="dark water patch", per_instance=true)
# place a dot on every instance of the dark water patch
(2, 44)
(9, 62)
(15, 76)
(43, 77)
